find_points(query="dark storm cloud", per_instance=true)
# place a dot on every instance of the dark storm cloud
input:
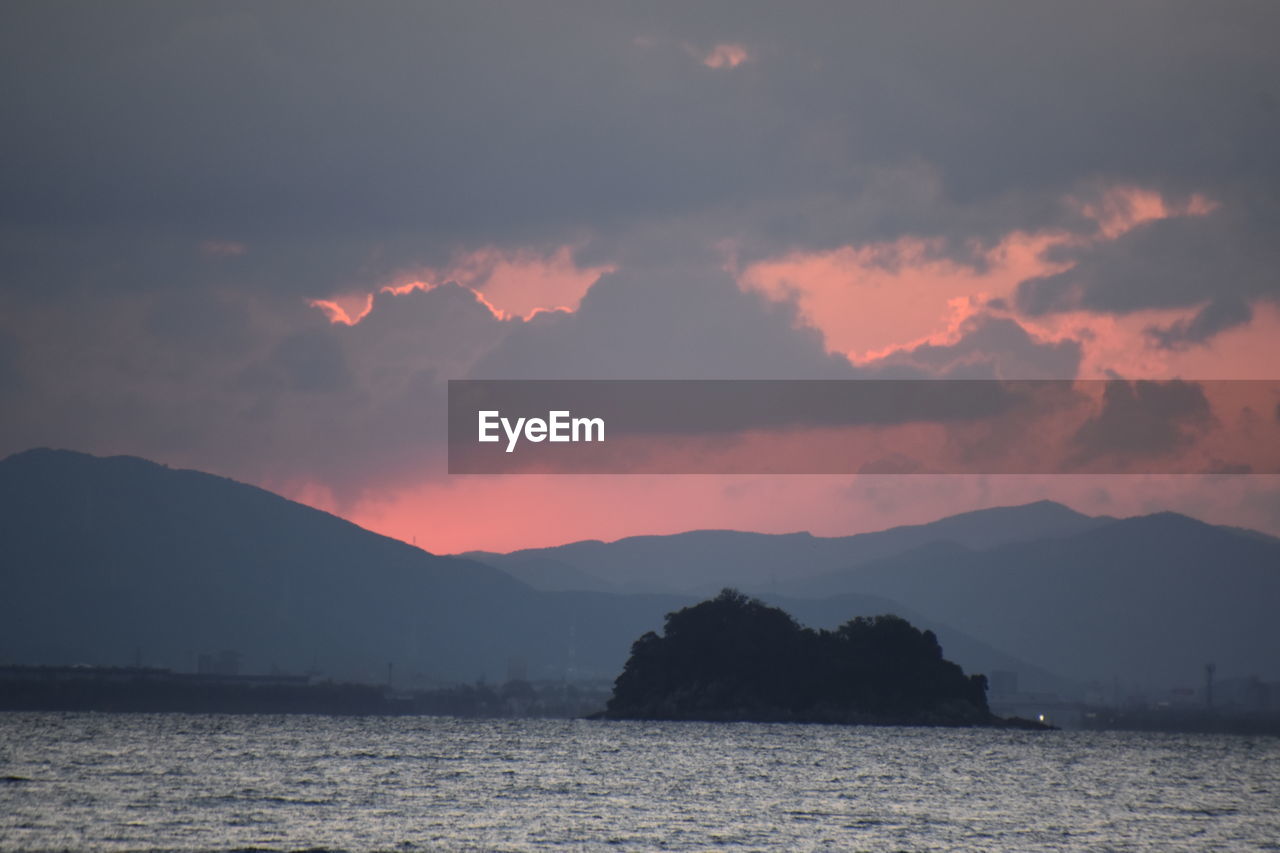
(255, 385)
(684, 322)
(446, 328)
(178, 177)
(343, 141)
(1168, 263)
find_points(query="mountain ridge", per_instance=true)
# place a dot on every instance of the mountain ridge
(679, 562)
(1148, 598)
(120, 560)
(116, 559)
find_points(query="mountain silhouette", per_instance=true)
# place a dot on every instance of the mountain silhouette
(702, 561)
(1149, 599)
(117, 560)
(109, 560)
(112, 561)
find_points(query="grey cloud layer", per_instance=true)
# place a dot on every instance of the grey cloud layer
(1222, 257)
(686, 322)
(342, 141)
(178, 177)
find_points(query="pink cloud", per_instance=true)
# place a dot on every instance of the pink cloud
(871, 299)
(877, 300)
(869, 302)
(522, 283)
(513, 284)
(725, 55)
(1121, 209)
(344, 310)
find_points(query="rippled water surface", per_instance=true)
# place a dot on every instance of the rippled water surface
(201, 782)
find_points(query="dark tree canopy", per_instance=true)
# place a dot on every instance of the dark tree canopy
(736, 658)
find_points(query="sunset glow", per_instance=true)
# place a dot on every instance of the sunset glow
(662, 196)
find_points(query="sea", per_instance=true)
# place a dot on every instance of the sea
(209, 782)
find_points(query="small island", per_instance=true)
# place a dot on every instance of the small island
(734, 658)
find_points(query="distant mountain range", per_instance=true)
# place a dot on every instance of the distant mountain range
(120, 560)
(1149, 600)
(112, 560)
(701, 562)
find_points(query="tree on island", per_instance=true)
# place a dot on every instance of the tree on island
(736, 658)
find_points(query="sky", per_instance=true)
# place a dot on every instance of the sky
(257, 239)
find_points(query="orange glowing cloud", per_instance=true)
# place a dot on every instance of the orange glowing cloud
(1116, 345)
(344, 310)
(871, 300)
(725, 56)
(868, 301)
(512, 284)
(522, 283)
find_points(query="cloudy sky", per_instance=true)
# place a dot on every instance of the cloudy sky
(258, 238)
